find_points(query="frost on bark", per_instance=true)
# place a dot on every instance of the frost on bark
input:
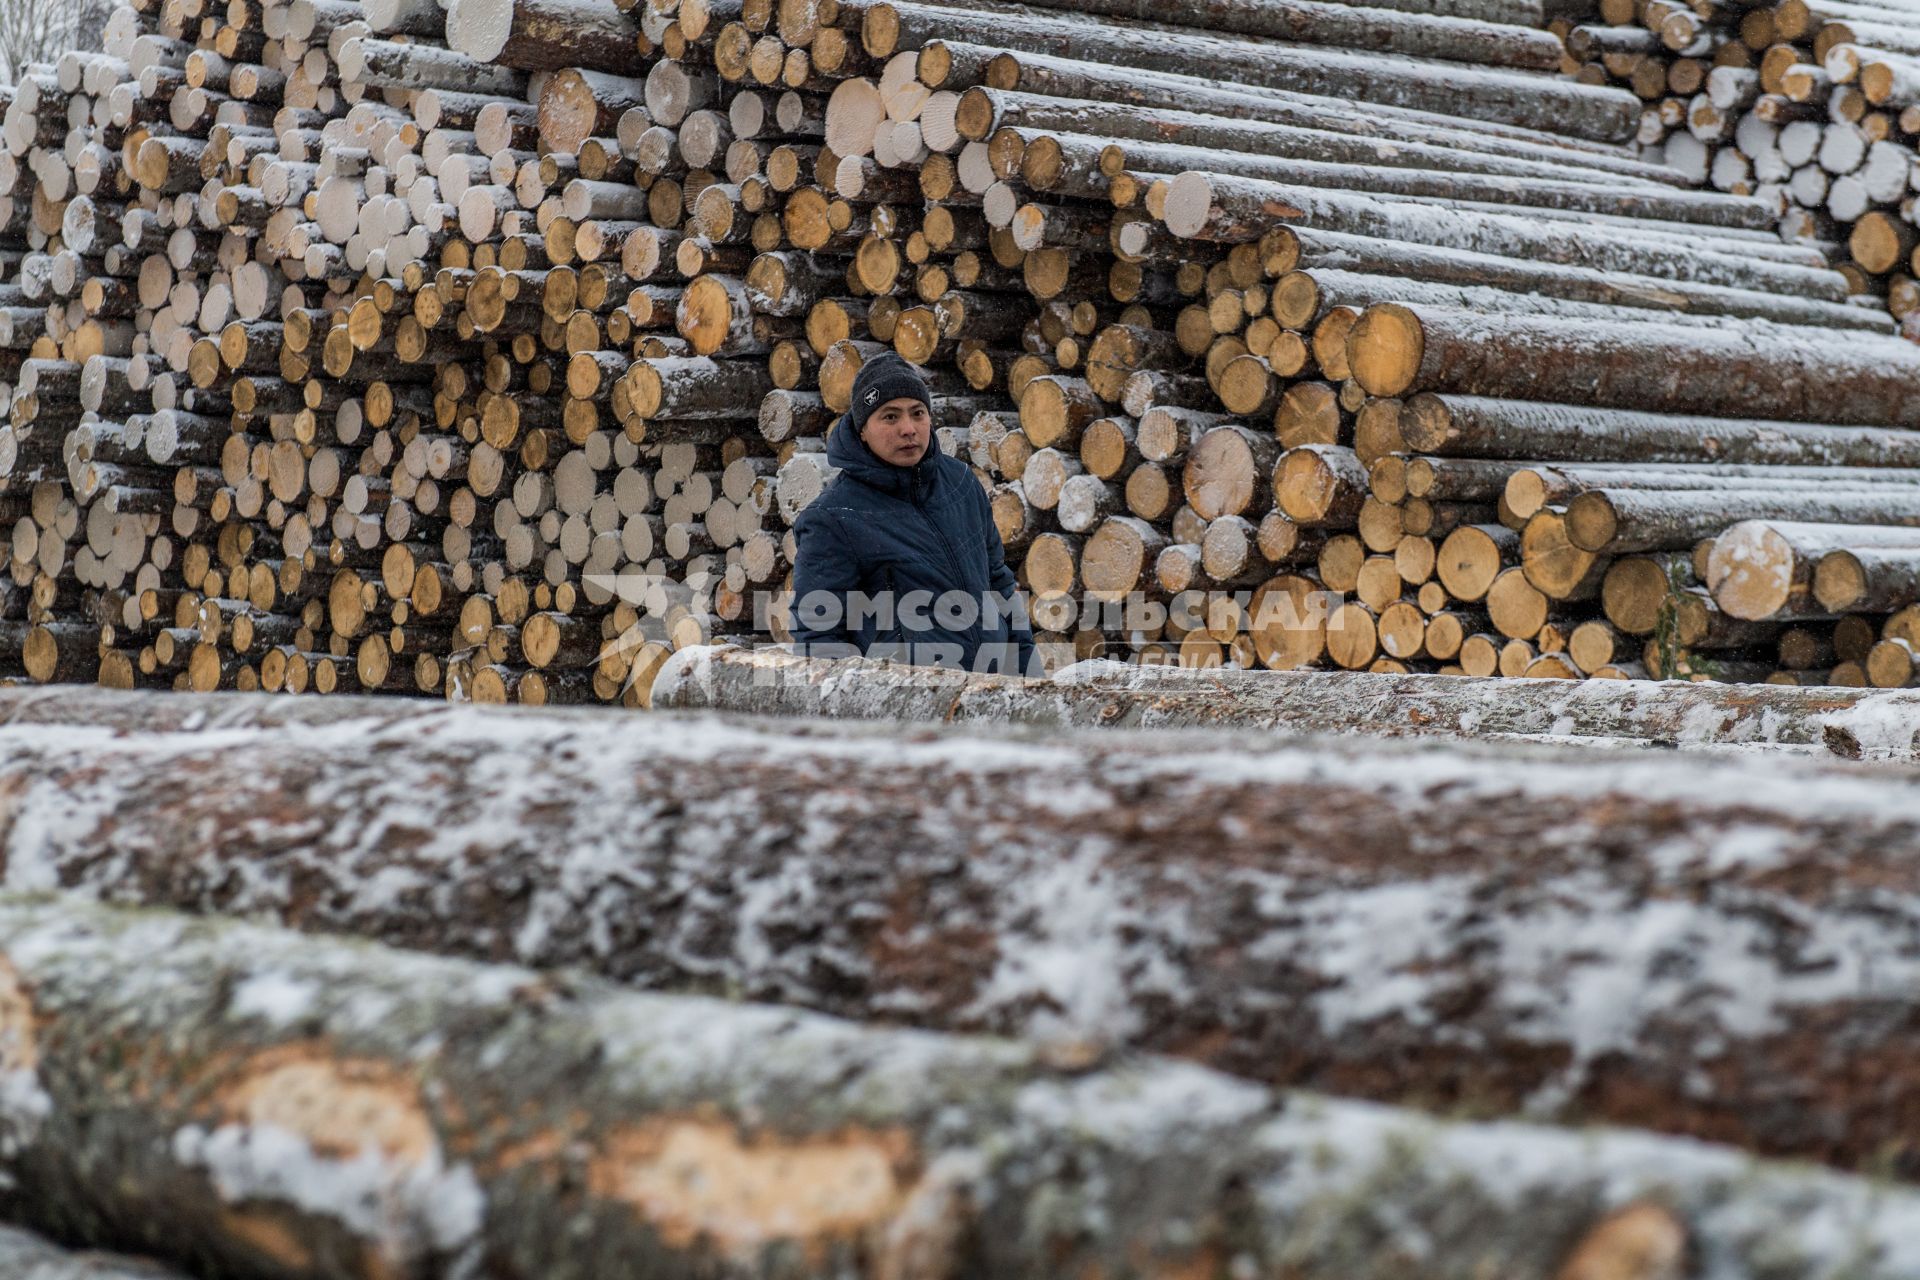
(1854, 723)
(254, 1102)
(1707, 946)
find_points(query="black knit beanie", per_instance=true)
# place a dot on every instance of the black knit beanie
(886, 377)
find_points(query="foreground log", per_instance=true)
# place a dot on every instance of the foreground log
(25, 1256)
(265, 1104)
(1175, 893)
(1848, 722)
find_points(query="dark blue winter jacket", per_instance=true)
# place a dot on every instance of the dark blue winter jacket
(905, 562)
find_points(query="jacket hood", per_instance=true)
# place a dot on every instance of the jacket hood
(849, 452)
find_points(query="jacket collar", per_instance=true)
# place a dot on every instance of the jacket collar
(849, 452)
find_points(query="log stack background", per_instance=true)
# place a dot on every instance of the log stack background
(1813, 108)
(488, 351)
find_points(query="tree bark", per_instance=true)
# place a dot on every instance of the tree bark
(983, 110)
(1483, 283)
(918, 922)
(1671, 715)
(1526, 13)
(1802, 375)
(1504, 97)
(1422, 34)
(697, 387)
(545, 35)
(272, 1106)
(25, 1256)
(1532, 488)
(1067, 78)
(1621, 521)
(1240, 210)
(391, 64)
(1480, 427)
(1498, 192)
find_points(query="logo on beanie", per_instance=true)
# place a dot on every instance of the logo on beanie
(873, 393)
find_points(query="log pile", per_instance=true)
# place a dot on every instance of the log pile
(1812, 107)
(488, 352)
(261, 1099)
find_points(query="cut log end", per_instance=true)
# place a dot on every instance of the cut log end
(1189, 202)
(1640, 1242)
(480, 28)
(1385, 349)
(1839, 580)
(1750, 571)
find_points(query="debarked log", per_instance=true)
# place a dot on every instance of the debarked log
(1338, 915)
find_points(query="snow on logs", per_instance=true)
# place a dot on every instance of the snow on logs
(1398, 350)
(200, 1086)
(25, 1256)
(487, 352)
(1792, 104)
(1854, 723)
(1221, 883)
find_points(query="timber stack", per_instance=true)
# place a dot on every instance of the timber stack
(1812, 107)
(488, 351)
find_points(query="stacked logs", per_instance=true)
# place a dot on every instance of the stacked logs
(489, 352)
(1813, 107)
(298, 412)
(1484, 438)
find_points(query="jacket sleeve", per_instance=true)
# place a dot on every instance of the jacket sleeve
(825, 574)
(1004, 584)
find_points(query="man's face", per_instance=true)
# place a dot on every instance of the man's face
(899, 431)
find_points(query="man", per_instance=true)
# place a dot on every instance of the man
(899, 556)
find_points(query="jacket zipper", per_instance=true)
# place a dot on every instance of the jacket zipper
(953, 556)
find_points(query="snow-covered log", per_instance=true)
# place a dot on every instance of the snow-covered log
(1473, 427)
(1848, 722)
(1799, 375)
(259, 1103)
(486, 349)
(25, 1256)
(1487, 94)
(1316, 912)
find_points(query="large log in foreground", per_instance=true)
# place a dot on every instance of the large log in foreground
(265, 1104)
(1595, 933)
(1855, 723)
